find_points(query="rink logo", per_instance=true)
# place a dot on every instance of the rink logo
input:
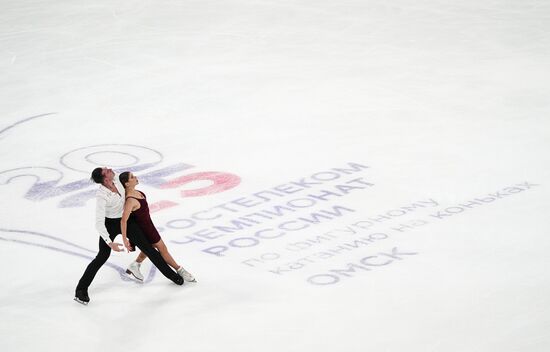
(367, 263)
(120, 157)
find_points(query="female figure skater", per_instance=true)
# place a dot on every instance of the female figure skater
(137, 207)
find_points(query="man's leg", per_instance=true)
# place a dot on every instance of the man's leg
(94, 266)
(135, 235)
(81, 294)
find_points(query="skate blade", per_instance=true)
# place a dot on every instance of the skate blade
(131, 273)
(81, 301)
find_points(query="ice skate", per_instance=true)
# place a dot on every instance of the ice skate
(81, 296)
(133, 269)
(178, 280)
(186, 275)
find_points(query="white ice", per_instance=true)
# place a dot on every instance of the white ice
(440, 102)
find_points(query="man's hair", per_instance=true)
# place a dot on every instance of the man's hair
(123, 178)
(97, 175)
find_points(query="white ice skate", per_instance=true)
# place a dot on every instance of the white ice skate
(186, 275)
(133, 269)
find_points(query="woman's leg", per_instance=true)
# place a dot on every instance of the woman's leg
(163, 250)
(138, 239)
(141, 257)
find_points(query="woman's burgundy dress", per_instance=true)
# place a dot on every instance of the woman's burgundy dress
(143, 219)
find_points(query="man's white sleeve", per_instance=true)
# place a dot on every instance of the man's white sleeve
(100, 219)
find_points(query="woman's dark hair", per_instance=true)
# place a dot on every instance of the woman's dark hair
(123, 178)
(97, 175)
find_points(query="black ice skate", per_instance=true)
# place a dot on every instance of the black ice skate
(81, 296)
(178, 280)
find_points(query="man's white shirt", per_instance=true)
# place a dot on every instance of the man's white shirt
(108, 205)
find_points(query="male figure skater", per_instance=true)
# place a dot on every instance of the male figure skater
(109, 208)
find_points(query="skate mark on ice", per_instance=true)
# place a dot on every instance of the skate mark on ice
(117, 268)
(32, 233)
(25, 120)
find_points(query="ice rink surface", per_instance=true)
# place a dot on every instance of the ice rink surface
(338, 175)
